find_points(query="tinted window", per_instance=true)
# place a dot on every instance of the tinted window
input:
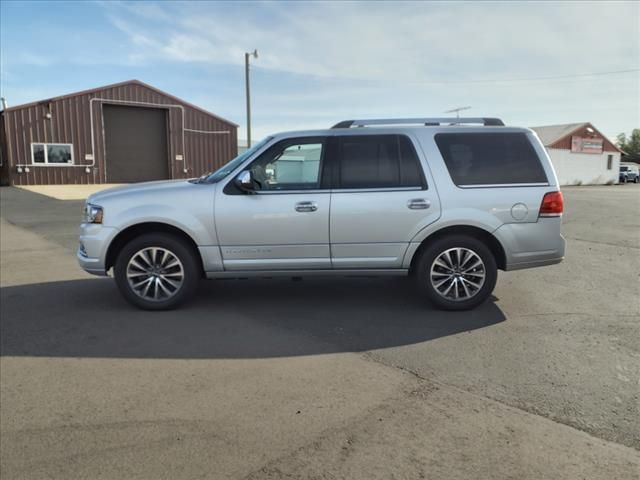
(490, 158)
(289, 165)
(59, 153)
(38, 153)
(378, 161)
(410, 169)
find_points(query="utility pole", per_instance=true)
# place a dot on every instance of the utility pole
(248, 92)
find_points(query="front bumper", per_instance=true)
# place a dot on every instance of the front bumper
(92, 249)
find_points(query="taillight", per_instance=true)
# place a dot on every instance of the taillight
(552, 205)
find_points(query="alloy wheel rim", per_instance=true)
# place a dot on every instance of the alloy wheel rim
(155, 274)
(457, 274)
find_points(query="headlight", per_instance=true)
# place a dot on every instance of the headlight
(92, 214)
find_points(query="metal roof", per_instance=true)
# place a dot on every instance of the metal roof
(553, 135)
(549, 134)
(114, 85)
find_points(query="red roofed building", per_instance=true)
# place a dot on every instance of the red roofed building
(580, 154)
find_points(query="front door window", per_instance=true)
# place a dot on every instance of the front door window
(289, 165)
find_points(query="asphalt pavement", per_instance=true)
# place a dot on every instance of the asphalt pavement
(322, 378)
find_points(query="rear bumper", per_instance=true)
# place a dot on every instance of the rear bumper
(529, 245)
(537, 263)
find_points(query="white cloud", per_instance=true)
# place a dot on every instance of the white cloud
(407, 41)
(321, 62)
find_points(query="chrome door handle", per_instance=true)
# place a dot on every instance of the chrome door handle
(418, 204)
(306, 207)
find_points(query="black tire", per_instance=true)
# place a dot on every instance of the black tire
(422, 272)
(178, 248)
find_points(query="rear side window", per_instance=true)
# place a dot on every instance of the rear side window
(378, 161)
(490, 158)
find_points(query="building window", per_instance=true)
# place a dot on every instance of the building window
(609, 162)
(52, 153)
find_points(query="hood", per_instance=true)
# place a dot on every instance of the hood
(138, 188)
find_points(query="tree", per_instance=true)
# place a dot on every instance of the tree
(630, 145)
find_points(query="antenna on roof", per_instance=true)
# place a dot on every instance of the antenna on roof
(4, 103)
(457, 110)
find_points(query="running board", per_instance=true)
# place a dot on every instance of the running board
(309, 273)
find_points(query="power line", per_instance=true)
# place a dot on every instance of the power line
(554, 77)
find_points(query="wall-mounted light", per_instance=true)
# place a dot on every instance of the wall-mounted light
(19, 169)
(26, 169)
(87, 170)
(48, 115)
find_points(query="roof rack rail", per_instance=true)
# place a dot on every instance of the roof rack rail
(486, 121)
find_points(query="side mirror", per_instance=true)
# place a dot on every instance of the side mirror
(244, 182)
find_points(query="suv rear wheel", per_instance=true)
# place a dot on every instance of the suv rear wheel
(156, 271)
(456, 272)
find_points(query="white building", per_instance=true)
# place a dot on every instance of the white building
(580, 154)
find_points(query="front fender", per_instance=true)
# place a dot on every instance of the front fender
(183, 205)
(201, 230)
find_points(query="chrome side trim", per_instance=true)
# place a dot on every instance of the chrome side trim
(340, 190)
(505, 185)
(291, 192)
(382, 189)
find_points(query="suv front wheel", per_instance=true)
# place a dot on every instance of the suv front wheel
(456, 272)
(156, 271)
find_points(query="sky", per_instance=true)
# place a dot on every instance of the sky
(529, 63)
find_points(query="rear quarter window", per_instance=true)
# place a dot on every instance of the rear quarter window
(490, 158)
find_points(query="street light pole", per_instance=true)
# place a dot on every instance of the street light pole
(248, 92)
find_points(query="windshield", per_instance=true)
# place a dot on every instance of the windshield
(230, 166)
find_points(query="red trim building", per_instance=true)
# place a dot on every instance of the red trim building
(581, 154)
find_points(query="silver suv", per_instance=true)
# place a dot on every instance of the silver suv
(448, 201)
